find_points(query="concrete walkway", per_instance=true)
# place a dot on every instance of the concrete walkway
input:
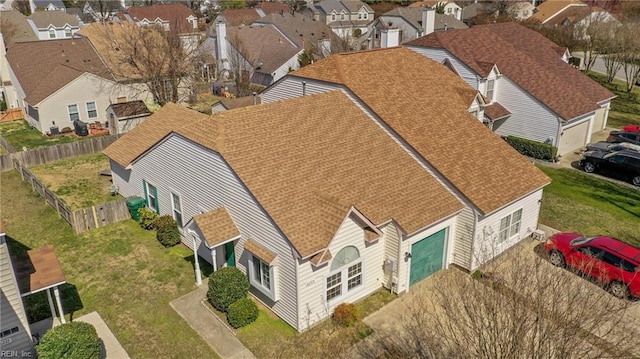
(111, 346)
(209, 326)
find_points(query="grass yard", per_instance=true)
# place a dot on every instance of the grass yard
(578, 202)
(625, 109)
(77, 181)
(270, 337)
(19, 134)
(119, 270)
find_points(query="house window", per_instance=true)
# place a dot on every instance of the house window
(151, 193)
(67, 32)
(365, 16)
(449, 10)
(261, 276)
(177, 208)
(510, 225)
(73, 112)
(333, 17)
(92, 112)
(341, 16)
(489, 92)
(346, 275)
(52, 33)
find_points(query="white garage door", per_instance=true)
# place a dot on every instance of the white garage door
(573, 138)
(598, 121)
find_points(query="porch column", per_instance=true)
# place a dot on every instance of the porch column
(213, 259)
(51, 307)
(56, 292)
(195, 257)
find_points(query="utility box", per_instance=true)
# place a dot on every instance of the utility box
(134, 204)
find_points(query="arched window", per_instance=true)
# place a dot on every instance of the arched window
(346, 276)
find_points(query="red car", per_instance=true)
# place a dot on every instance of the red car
(612, 262)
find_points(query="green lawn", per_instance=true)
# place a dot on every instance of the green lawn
(119, 270)
(625, 109)
(20, 134)
(578, 202)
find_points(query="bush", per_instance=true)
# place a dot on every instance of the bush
(346, 314)
(242, 312)
(167, 231)
(75, 340)
(226, 286)
(147, 218)
(3, 106)
(539, 150)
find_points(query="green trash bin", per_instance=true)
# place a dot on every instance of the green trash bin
(134, 204)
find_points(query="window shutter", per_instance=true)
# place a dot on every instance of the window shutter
(155, 194)
(146, 195)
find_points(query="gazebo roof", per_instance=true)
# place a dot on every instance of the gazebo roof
(38, 270)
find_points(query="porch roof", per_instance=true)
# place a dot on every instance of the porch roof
(216, 226)
(38, 270)
(496, 111)
(260, 251)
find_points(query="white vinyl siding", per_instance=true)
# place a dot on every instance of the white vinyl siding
(205, 181)
(439, 55)
(314, 283)
(463, 238)
(488, 243)
(391, 256)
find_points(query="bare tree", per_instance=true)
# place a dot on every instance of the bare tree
(241, 64)
(518, 307)
(22, 6)
(104, 8)
(630, 53)
(595, 34)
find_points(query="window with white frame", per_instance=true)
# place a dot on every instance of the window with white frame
(73, 112)
(92, 111)
(346, 274)
(333, 17)
(52, 33)
(261, 276)
(365, 16)
(151, 192)
(489, 90)
(67, 32)
(449, 10)
(176, 203)
(510, 225)
(342, 16)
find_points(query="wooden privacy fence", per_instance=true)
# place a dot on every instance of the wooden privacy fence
(5, 162)
(7, 146)
(54, 153)
(80, 220)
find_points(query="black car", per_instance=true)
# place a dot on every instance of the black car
(612, 147)
(622, 164)
(622, 136)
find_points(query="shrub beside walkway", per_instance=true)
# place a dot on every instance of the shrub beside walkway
(211, 329)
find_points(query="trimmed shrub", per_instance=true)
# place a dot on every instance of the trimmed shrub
(242, 312)
(346, 314)
(75, 340)
(167, 231)
(147, 218)
(539, 150)
(226, 286)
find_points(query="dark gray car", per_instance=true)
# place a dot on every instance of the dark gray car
(622, 136)
(612, 147)
(621, 164)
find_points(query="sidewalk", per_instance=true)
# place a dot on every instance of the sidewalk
(210, 328)
(112, 348)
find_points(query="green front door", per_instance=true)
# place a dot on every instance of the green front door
(427, 256)
(229, 254)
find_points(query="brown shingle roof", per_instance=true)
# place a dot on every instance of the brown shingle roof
(262, 44)
(307, 167)
(413, 15)
(237, 17)
(130, 109)
(259, 251)
(126, 149)
(299, 28)
(15, 28)
(551, 8)
(321, 258)
(217, 226)
(176, 14)
(572, 14)
(527, 58)
(42, 19)
(38, 270)
(65, 60)
(428, 107)
(232, 103)
(496, 111)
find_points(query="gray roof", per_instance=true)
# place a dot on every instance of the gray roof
(413, 15)
(43, 19)
(263, 44)
(15, 28)
(44, 3)
(349, 6)
(300, 29)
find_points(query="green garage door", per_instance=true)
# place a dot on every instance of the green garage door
(427, 256)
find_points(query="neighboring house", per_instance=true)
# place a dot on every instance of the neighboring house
(347, 18)
(521, 10)
(448, 7)
(313, 36)
(404, 24)
(581, 17)
(233, 103)
(470, 11)
(70, 83)
(13, 28)
(531, 90)
(237, 17)
(259, 53)
(549, 9)
(171, 17)
(320, 208)
(49, 25)
(124, 116)
(46, 5)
